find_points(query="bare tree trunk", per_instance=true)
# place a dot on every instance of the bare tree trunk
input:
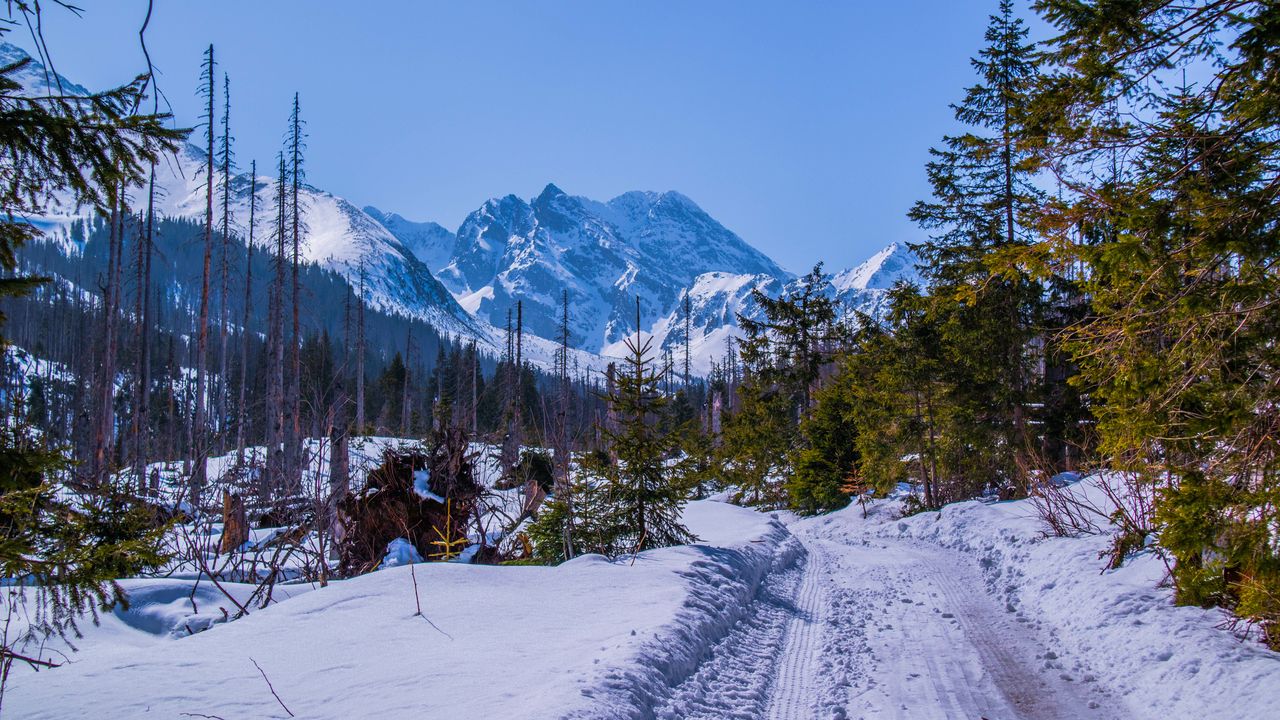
(360, 354)
(275, 340)
(293, 429)
(404, 400)
(241, 410)
(563, 486)
(224, 317)
(104, 430)
(142, 401)
(199, 441)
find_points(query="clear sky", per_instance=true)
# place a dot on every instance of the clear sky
(803, 126)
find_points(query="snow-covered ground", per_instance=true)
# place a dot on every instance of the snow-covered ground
(965, 613)
(529, 642)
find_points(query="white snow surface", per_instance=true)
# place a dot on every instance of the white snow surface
(1036, 628)
(965, 613)
(590, 638)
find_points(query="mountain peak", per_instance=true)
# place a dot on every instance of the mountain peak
(35, 78)
(880, 271)
(550, 192)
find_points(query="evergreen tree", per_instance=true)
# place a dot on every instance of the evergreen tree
(1179, 239)
(782, 353)
(89, 147)
(983, 198)
(827, 459)
(628, 500)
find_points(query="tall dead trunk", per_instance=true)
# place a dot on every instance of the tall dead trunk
(199, 431)
(293, 398)
(142, 393)
(104, 430)
(242, 413)
(224, 317)
(360, 424)
(275, 342)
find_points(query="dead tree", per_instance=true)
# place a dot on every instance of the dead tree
(242, 411)
(142, 339)
(293, 428)
(225, 270)
(199, 441)
(275, 344)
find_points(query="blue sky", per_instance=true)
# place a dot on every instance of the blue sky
(802, 126)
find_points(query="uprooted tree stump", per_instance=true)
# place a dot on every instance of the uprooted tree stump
(235, 522)
(425, 498)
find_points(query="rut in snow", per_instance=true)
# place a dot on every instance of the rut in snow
(884, 630)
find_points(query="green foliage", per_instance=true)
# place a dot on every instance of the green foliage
(695, 468)
(984, 199)
(828, 459)
(754, 444)
(914, 416)
(1180, 239)
(783, 353)
(536, 466)
(644, 496)
(629, 499)
(70, 545)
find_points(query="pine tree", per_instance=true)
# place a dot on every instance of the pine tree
(88, 147)
(983, 196)
(645, 501)
(1179, 241)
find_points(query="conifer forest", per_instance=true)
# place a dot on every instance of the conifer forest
(268, 450)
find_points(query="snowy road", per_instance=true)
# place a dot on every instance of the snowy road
(886, 629)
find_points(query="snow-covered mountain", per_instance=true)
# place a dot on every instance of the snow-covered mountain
(604, 255)
(863, 287)
(338, 236)
(660, 247)
(429, 242)
(35, 78)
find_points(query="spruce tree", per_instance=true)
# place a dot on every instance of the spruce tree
(644, 500)
(983, 198)
(1179, 239)
(87, 148)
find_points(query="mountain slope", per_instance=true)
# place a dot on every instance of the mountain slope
(660, 248)
(648, 245)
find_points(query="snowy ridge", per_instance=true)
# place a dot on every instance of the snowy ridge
(880, 271)
(605, 255)
(429, 242)
(35, 79)
(724, 582)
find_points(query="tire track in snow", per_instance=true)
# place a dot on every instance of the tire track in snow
(1004, 647)
(794, 693)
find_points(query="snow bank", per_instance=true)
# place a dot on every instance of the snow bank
(723, 579)
(1164, 661)
(591, 638)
